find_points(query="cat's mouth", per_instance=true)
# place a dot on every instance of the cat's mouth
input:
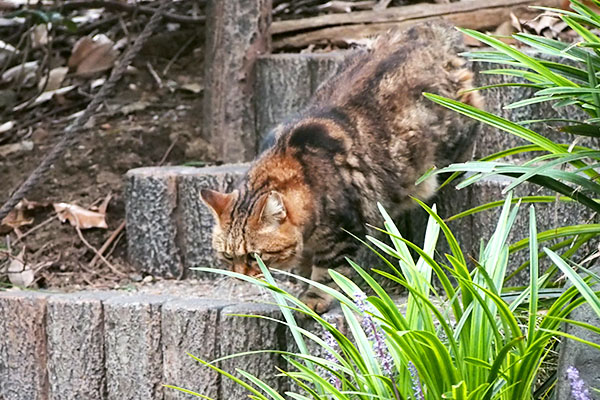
(248, 270)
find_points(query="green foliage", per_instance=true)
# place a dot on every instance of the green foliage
(468, 337)
(45, 17)
(571, 79)
(471, 340)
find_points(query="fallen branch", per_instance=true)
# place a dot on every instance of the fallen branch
(106, 244)
(357, 25)
(35, 228)
(130, 8)
(92, 248)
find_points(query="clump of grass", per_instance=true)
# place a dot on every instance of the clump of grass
(414, 352)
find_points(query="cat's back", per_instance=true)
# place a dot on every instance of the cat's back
(368, 133)
(396, 67)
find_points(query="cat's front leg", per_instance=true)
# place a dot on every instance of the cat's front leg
(316, 299)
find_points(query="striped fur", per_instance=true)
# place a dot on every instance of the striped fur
(366, 136)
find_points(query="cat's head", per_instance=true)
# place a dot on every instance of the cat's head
(248, 225)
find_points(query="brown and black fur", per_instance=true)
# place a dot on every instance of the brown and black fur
(366, 137)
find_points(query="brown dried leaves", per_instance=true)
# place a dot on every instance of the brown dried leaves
(82, 218)
(92, 55)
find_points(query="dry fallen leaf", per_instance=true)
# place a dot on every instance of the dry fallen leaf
(20, 215)
(548, 24)
(56, 76)
(25, 145)
(19, 273)
(26, 72)
(192, 87)
(133, 107)
(504, 32)
(7, 47)
(104, 205)
(381, 5)
(16, 218)
(97, 82)
(337, 6)
(79, 216)
(39, 36)
(7, 126)
(44, 97)
(92, 55)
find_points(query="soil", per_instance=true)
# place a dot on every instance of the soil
(144, 123)
(147, 121)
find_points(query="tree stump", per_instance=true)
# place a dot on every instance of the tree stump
(75, 338)
(286, 82)
(23, 355)
(169, 228)
(236, 34)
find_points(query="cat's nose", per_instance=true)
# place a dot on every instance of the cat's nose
(243, 268)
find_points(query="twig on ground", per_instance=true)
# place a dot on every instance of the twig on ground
(38, 118)
(24, 36)
(46, 63)
(92, 248)
(89, 271)
(42, 266)
(177, 55)
(164, 157)
(154, 75)
(100, 24)
(124, 27)
(35, 228)
(106, 244)
(39, 251)
(114, 245)
(130, 8)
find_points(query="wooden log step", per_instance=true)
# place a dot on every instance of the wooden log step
(284, 83)
(75, 341)
(195, 229)
(114, 345)
(23, 351)
(169, 228)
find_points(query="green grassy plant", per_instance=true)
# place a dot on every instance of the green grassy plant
(570, 79)
(465, 341)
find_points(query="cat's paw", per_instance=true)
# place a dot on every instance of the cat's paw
(319, 302)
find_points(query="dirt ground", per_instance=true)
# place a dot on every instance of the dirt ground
(152, 118)
(147, 121)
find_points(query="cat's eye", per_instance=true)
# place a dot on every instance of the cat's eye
(227, 256)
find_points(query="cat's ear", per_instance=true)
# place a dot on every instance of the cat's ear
(273, 212)
(217, 201)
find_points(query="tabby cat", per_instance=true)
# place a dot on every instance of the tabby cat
(366, 136)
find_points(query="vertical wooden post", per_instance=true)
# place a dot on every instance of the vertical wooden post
(237, 32)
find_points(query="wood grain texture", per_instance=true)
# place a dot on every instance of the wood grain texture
(358, 25)
(75, 337)
(236, 34)
(23, 354)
